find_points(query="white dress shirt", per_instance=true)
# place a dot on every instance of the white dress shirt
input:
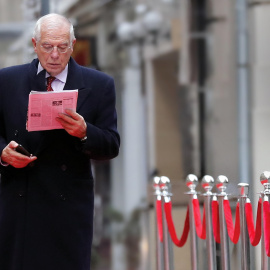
(60, 80)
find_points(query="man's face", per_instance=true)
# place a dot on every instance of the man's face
(55, 61)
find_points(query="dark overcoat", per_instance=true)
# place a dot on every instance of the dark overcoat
(46, 209)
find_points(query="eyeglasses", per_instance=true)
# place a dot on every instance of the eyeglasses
(48, 48)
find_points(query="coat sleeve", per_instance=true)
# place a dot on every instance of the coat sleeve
(3, 142)
(103, 140)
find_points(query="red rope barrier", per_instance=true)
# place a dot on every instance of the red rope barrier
(159, 219)
(266, 221)
(168, 211)
(215, 221)
(200, 226)
(254, 234)
(233, 231)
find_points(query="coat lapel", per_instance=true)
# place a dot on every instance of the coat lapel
(75, 80)
(37, 81)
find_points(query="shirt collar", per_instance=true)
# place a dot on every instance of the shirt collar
(61, 76)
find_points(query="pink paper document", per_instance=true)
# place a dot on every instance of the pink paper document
(44, 107)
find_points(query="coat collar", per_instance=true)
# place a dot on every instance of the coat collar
(74, 78)
(37, 81)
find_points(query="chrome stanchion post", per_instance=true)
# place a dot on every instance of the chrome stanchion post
(265, 180)
(191, 182)
(222, 182)
(207, 184)
(168, 249)
(159, 245)
(245, 248)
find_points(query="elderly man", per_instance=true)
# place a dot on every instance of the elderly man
(46, 199)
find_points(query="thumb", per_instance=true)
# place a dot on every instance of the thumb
(12, 144)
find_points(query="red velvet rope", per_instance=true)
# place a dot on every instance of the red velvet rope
(266, 221)
(254, 234)
(215, 221)
(200, 226)
(159, 219)
(168, 211)
(233, 231)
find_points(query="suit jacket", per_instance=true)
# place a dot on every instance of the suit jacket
(46, 208)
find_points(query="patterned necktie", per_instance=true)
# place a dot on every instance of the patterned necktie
(49, 83)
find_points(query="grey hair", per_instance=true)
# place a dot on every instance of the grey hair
(54, 20)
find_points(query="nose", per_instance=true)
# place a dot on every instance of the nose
(55, 53)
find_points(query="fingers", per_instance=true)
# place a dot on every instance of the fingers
(73, 114)
(13, 158)
(12, 145)
(70, 116)
(73, 123)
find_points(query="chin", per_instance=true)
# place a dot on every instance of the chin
(53, 72)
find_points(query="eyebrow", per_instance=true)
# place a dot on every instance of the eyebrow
(47, 43)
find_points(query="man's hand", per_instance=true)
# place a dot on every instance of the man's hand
(13, 158)
(73, 123)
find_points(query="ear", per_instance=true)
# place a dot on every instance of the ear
(34, 44)
(73, 43)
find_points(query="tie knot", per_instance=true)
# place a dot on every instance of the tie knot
(49, 83)
(50, 79)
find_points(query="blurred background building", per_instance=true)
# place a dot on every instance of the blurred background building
(192, 81)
